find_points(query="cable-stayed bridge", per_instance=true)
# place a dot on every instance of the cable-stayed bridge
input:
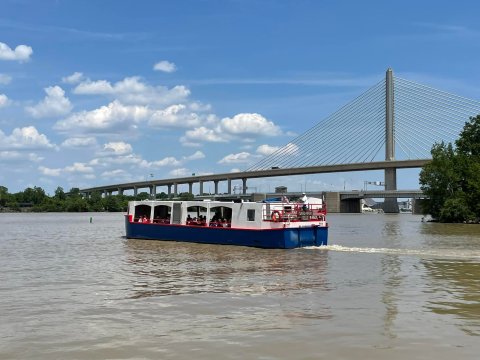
(391, 126)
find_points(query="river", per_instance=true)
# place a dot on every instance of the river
(387, 286)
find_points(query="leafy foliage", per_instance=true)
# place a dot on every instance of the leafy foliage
(452, 179)
(35, 199)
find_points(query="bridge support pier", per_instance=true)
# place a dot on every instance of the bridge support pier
(216, 187)
(175, 189)
(229, 186)
(201, 188)
(153, 191)
(169, 186)
(391, 204)
(244, 186)
(190, 188)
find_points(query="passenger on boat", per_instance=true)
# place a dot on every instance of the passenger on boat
(304, 200)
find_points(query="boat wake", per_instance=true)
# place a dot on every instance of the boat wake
(434, 253)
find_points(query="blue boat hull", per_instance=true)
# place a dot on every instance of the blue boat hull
(285, 238)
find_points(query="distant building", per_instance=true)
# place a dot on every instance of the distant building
(280, 189)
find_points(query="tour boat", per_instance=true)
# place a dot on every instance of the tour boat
(275, 225)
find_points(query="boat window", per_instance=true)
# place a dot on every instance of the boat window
(161, 214)
(142, 210)
(220, 214)
(196, 215)
(251, 214)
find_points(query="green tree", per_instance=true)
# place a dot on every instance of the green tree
(74, 192)
(4, 196)
(60, 194)
(142, 196)
(185, 196)
(451, 180)
(95, 201)
(162, 196)
(469, 141)
(112, 203)
(35, 196)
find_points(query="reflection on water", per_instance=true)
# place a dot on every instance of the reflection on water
(391, 272)
(169, 268)
(455, 290)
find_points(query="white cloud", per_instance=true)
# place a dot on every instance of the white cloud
(175, 116)
(72, 171)
(243, 157)
(54, 104)
(78, 142)
(49, 172)
(4, 100)
(132, 90)
(196, 156)
(240, 126)
(79, 168)
(21, 52)
(25, 138)
(250, 123)
(203, 134)
(18, 156)
(289, 149)
(130, 159)
(5, 79)
(114, 116)
(75, 78)
(197, 106)
(168, 161)
(115, 174)
(100, 87)
(267, 149)
(165, 66)
(118, 148)
(180, 172)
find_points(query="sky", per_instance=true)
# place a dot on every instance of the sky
(105, 92)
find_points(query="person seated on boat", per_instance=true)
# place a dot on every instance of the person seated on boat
(189, 219)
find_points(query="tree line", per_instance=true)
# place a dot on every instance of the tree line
(37, 200)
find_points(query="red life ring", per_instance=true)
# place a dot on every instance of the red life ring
(275, 216)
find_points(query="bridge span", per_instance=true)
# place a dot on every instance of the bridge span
(172, 184)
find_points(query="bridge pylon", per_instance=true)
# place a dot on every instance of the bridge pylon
(390, 204)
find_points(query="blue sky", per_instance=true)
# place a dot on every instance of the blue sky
(101, 92)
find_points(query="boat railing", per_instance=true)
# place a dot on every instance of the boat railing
(296, 212)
